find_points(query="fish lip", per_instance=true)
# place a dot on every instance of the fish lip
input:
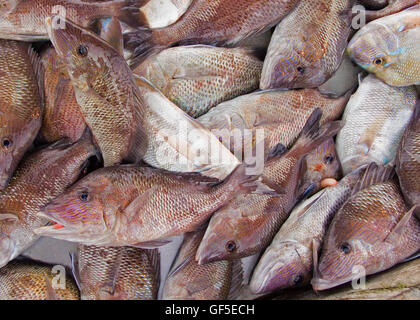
(319, 284)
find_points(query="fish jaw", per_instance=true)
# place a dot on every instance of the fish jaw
(319, 284)
(281, 267)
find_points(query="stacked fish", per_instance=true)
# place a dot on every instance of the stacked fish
(126, 123)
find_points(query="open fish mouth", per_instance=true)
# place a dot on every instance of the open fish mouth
(55, 227)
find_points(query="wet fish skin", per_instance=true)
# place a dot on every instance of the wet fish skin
(29, 280)
(117, 273)
(288, 261)
(197, 78)
(31, 188)
(392, 7)
(216, 22)
(159, 14)
(62, 117)
(21, 104)
(373, 230)
(375, 119)
(307, 47)
(130, 205)
(408, 160)
(320, 164)
(188, 280)
(248, 223)
(25, 20)
(281, 114)
(390, 48)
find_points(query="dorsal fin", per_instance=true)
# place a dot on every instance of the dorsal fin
(374, 174)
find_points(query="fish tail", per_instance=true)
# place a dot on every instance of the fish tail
(243, 179)
(127, 11)
(374, 174)
(141, 44)
(313, 136)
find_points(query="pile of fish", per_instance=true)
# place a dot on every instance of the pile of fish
(286, 130)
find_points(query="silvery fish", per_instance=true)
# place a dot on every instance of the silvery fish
(375, 119)
(197, 78)
(307, 47)
(390, 48)
(288, 261)
(116, 273)
(187, 280)
(373, 231)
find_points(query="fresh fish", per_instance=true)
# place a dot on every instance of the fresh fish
(188, 280)
(382, 8)
(288, 261)
(215, 22)
(390, 48)
(307, 47)
(280, 114)
(375, 119)
(62, 117)
(139, 122)
(20, 104)
(408, 160)
(197, 78)
(130, 205)
(40, 177)
(247, 224)
(159, 14)
(320, 164)
(117, 273)
(29, 280)
(373, 231)
(25, 20)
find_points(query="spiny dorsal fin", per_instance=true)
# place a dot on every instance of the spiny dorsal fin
(374, 174)
(400, 227)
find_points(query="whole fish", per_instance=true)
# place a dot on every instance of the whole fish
(216, 22)
(197, 78)
(20, 104)
(307, 47)
(40, 177)
(130, 205)
(322, 163)
(288, 261)
(62, 117)
(408, 159)
(188, 280)
(248, 223)
(390, 48)
(29, 280)
(117, 273)
(382, 8)
(373, 231)
(280, 114)
(138, 121)
(375, 119)
(159, 14)
(25, 20)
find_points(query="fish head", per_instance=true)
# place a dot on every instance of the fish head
(15, 138)
(374, 48)
(83, 213)
(229, 235)
(283, 266)
(293, 65)
(322, 163)
(85, 54)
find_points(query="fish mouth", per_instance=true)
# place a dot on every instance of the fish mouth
(55, 228)
(319, 284)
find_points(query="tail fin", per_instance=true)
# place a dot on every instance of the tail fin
(245, 182)
(312, 136)
(128, 11)
(140, 43)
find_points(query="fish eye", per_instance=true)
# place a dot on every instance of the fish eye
(329, 159)
(230, 246)
(378, 61)
(6, 143)
(301, 70)
(297, 279)
(346, 248)
(84, 196)
(82, 50)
